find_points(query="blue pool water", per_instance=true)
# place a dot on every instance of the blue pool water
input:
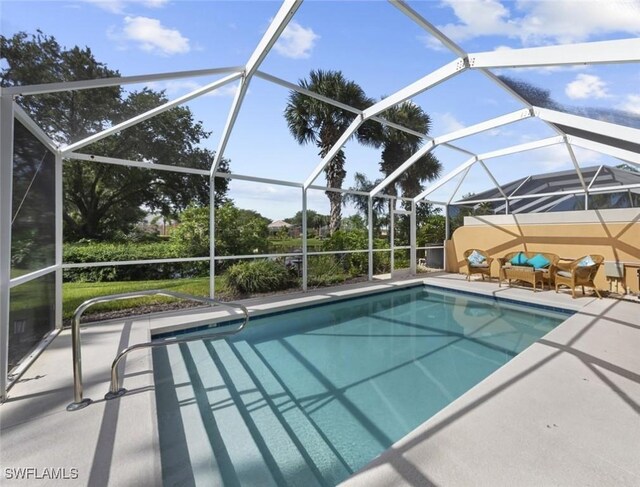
(310, 396)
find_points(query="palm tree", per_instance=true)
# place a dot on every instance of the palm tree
(399, 146)
(361, 203)
(317, 122)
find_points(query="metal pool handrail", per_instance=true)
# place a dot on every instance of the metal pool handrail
(78, 401)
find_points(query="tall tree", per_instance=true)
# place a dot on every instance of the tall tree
(317, 122)
(398, 146)
(103, 200)
(361, 203)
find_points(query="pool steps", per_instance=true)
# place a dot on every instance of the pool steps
(241, 427)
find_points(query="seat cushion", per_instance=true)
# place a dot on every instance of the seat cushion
(539, 261)
(483, 265)
(475, 258)
(519, 259)
(564, 273)
(586, 262)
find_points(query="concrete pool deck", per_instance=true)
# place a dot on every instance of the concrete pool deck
(566, 411)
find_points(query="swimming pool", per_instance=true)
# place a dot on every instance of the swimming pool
(308, 397)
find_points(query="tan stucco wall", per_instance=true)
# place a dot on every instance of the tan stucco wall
(615, 234)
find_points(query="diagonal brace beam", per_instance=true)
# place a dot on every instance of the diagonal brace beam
(150, 113)
(423, 84)
(270, 37)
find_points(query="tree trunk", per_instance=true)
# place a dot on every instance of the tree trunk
(335, 216)
(335, 177)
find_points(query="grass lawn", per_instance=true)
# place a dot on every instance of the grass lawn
(294, 243)
(75, 293)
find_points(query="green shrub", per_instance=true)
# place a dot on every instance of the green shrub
(357, 264)
(259, 276)
(325, 270)
(238, 232)
(112, 252)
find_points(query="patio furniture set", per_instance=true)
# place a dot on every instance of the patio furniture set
(537, 268)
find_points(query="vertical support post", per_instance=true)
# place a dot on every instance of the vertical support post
(59, 202)
(412, 239)
(574, 160)
(212, 236)
(446, 236)
(6, 188)
(392, 237)
(506, 206)
(305, 265)
(370, 228)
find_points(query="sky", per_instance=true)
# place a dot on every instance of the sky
(373, 44)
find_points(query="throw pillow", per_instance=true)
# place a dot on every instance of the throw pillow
(519, 259)
(475, 258)
(539, 261)
(586, 262)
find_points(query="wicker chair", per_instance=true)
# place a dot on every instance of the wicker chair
(573, 275)
(483, 269)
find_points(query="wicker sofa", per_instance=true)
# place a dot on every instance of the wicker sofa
(527, 273)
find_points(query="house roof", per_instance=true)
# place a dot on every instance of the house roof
(595, 177)
(278, 224)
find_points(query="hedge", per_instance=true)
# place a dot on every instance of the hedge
(111, 252)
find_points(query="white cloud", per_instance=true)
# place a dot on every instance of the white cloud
(432, 43)
(631, 104)
(536, 22)
(556, 158)
(446, 122)
(272, 201)
(118, 6)
(296, 41)
(151, 36)
(586, 86)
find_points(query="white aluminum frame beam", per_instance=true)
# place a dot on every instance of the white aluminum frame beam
(179, 169)
(432, 79)
(602, 52)
(150, 113)
(603, 189)
(59, 236)
(622, 154)
(445, 179)
(276, 27)
(114, 81)
(428, 26)
(520, 186)
(24, 118)
(615, 131)
(595, 176)
(330, 101)
(426, 82)
(457, 134)
(140, 164)
(527, 146)
(490, 155)
(6, 191)
(424, 150)
(455, 191)
(492, 123)
(574, 161)
(334, 150)
(495, 182)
